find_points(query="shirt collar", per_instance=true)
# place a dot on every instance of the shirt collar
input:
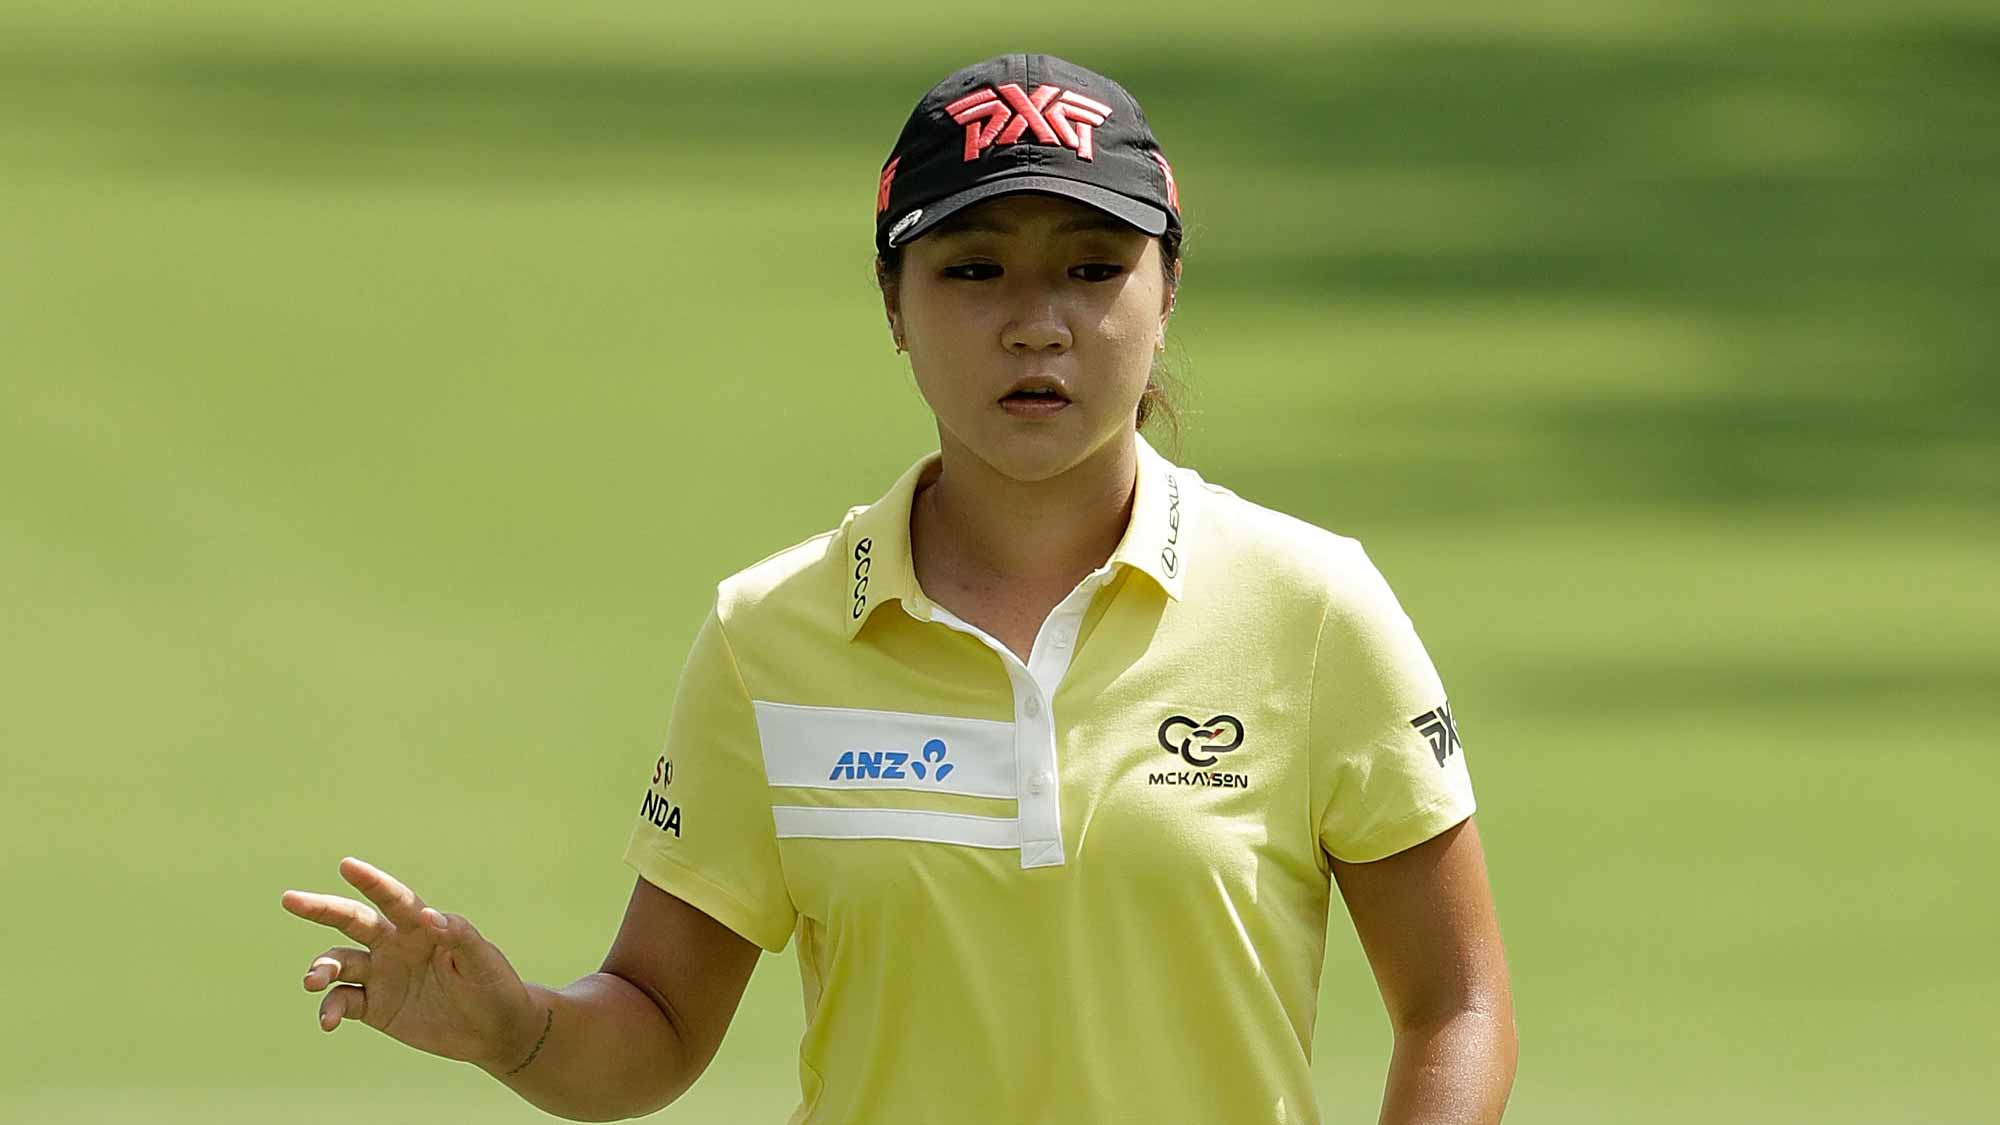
(876, 539)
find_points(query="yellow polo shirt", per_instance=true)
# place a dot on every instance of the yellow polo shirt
(1092, 887)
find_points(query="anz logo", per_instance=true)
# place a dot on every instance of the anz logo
(893, 765)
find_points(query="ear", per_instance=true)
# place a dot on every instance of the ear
(891, 303)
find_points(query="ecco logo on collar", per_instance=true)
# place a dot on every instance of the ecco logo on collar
(862, 565)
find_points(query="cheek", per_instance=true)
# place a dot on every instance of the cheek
(937, 365)
(1130, 332)
(940, 316)
(1134, 331)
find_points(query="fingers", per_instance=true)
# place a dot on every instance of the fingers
(337, 964)
(344, 1002)
(399, 902)
(359, 921)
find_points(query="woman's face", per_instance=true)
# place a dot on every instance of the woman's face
(1031, 322)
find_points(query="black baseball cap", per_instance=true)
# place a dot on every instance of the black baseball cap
(1023, 123)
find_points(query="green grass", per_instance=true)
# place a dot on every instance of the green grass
(382, 388)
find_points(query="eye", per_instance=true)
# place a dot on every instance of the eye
(1109, 270)
(972, 271)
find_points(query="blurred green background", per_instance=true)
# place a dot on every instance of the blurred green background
(384, 385)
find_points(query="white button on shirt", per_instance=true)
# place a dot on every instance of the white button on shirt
(1040, 814)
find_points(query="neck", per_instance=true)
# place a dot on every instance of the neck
(994, 528)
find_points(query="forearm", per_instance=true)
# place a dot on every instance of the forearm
(1456, 1071)
(597, 1050)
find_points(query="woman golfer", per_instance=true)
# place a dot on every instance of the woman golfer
(1048, 760)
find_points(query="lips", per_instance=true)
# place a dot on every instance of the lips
(1037, 389)
(1036, 398)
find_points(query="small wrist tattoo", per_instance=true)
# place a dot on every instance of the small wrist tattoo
(546, 1024)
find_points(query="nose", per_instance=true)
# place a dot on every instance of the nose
(1039, 326)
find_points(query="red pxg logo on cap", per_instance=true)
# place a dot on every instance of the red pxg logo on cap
(1001, 117)
(1006, 114)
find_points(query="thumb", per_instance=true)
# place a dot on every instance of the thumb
(470, 953)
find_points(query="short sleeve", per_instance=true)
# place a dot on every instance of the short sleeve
(704, 832)
(1388, 769)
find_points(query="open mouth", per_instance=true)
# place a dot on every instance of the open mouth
(1035, 394)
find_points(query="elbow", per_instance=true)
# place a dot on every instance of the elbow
(676, 1060)
(1483, 1023)
(1418, 1014)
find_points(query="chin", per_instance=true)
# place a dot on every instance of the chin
(1033, 452)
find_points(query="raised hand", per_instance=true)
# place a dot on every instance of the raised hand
(423, 978)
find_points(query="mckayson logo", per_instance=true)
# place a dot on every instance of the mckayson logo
(1437, 726)
(1199, 745)
(1002, 116)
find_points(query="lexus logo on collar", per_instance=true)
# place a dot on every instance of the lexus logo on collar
(1199, 743)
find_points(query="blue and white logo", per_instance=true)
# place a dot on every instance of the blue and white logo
(854, 749)
(893, 765)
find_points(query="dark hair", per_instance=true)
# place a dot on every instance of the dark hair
(1162, 384)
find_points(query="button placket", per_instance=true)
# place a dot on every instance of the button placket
(1033, 686)
(1034, 755)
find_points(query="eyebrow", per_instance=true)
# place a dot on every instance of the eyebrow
(985, 224)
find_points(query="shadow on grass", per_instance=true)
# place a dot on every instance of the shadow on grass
(1493, 457)
(1825, 180)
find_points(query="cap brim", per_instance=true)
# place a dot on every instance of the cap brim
(1145, 216)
